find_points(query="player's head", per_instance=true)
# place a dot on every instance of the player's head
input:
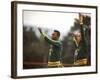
(78, 37)
(55, 35)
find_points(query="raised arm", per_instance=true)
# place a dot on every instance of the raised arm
(49, 40)
(82, 27)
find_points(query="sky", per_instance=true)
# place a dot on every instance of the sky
(51, 20)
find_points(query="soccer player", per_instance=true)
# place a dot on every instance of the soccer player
(54, 58)
(81, 52)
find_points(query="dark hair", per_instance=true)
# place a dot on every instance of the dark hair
(58, 33)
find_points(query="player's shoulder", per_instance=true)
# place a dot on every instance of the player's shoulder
(60, 42)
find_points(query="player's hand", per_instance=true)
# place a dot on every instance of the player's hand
(81, 18)
(40, 30)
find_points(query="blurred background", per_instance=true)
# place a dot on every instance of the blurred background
(35, 49)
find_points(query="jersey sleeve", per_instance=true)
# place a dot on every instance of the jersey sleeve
(83, 34)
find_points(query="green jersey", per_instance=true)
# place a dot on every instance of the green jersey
(55, 49)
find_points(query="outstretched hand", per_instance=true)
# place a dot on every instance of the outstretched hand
(81, 18)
